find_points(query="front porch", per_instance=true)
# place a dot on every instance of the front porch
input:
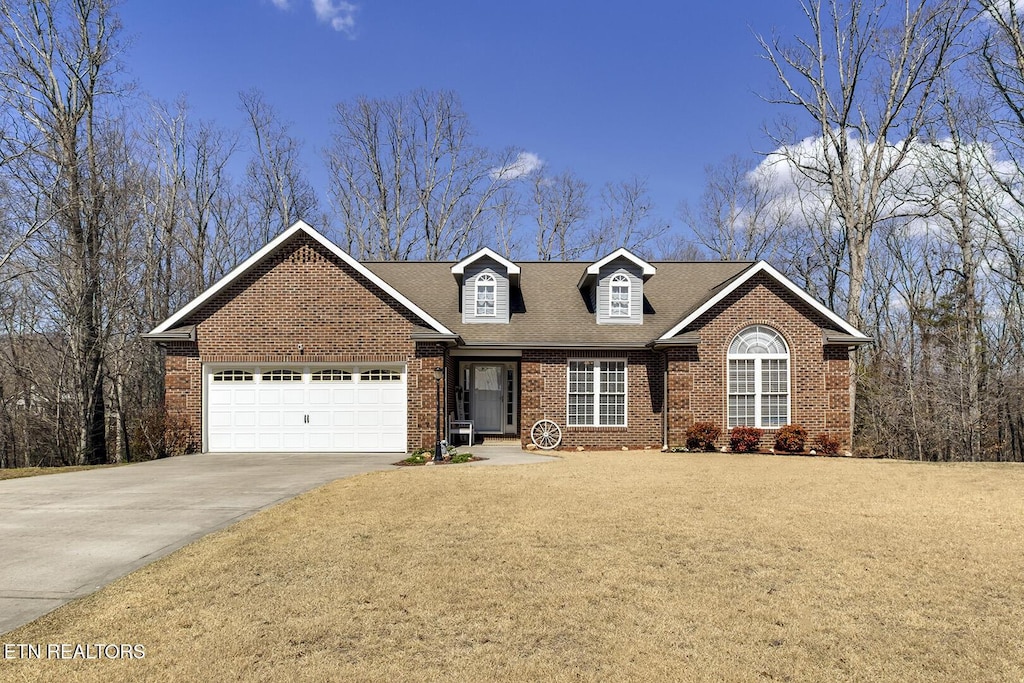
(483, 398)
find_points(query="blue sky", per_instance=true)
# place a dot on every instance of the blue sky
(607, 89)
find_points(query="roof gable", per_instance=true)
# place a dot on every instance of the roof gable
(594, 269)
(763, 267)
(269, 249)
(513, 271)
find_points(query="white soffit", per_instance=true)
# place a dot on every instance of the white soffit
(270, 248)
(763, 267)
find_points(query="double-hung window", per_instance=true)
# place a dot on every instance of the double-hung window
(758, 379)
(618, 302)
(485, 288)
(597, 393)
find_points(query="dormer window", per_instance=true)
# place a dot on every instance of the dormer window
(487, 281)
(619, 300)
(485, 287)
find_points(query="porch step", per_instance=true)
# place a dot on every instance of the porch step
(489, 440)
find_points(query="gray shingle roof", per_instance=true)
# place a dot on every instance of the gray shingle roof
(552, 311)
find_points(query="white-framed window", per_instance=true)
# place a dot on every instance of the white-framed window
(282, 376)
(380, 375)
(758, 379)
(233, 376)
(331, 375)
(596, 393)
(618, 301)
(485, 292)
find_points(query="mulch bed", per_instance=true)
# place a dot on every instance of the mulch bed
(402, 463)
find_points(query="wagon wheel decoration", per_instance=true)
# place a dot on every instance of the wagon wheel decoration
(546, 434)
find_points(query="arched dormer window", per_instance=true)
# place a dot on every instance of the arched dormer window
(758, 379)
(485, 288)
(618, 301)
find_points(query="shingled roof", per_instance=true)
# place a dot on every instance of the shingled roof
(548, 310)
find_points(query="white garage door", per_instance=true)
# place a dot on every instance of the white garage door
(301, 408)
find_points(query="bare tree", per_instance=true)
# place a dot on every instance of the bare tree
(741, 214)
(56, 73)
(865, 76)
(276, 189)
(407, 179)
(562, 207)
(627, 218)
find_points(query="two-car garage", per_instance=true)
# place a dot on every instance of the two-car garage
(305, 408)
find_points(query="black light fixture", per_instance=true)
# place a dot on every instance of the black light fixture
(438, 374)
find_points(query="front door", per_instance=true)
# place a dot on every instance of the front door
(488, 398)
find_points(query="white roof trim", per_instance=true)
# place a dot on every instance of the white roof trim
(460, 268)
(763, 267)
(270, 248)
(647, 268)
(592, 271)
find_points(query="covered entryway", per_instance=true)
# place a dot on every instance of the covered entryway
(296, 408)
(487, 393)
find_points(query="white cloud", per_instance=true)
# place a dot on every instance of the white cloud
(339, 14)
(282, 4)
(524, 164)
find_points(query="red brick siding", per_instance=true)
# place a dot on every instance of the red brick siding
(305, 295)
(819, 375)
(302, 294)
(544, 383)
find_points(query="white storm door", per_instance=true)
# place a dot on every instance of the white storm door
(488, 399)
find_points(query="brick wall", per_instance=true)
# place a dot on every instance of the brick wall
(302, 294)
(819, 375)
(543, 386)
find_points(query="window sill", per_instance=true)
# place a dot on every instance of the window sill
(581, 428)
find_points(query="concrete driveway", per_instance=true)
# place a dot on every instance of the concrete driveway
(63, 536)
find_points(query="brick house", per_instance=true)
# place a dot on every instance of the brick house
(304, 348)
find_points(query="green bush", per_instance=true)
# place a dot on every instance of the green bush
(790, 439)
(459, 458)
(826, 443)
(744, 439)
(701, 436)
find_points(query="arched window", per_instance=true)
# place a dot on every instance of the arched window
(618, 302)
(485, 286)
(758, 379)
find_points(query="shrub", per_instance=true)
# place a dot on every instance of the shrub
(702, 436)
(459, 458)
(790, 439)
(744, 439)
(826, 443)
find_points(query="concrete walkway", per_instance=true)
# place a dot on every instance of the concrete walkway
(64, 536)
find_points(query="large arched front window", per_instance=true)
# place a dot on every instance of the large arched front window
(758, 379)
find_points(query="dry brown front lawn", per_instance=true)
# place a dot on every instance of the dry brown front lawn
(601, 566)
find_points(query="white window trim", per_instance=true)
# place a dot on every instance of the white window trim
(485, 277)
(596, 385)
(757, 358)
(616, 281)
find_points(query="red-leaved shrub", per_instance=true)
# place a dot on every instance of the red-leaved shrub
(790, 439)
(826, 443)
(702, 436)
(744, 439)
